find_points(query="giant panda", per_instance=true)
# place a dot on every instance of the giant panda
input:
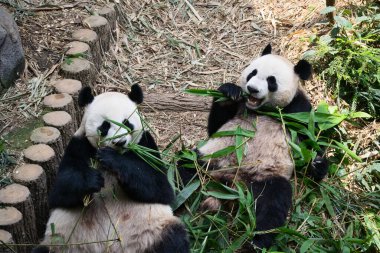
(271, 82)
(124, 204)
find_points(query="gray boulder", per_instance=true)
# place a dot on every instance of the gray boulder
(12, 59)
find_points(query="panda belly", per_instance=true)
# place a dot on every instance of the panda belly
(109, 216)
(267, 154)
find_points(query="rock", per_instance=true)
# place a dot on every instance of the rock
(12, 59)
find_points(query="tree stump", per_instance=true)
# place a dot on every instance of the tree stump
(6, 242)
(110, 14)
(62, 102)
(51, 136)
(78, 49)
(11, 220)
(101, 26)
(34, 177)
(19, 196)
(63, 122)
(71, 87)
(44, 156)
(79, 69)
(91, 38)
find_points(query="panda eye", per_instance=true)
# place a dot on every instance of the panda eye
(252, 74)
(103, 129)
(128, 124)
(272, 83)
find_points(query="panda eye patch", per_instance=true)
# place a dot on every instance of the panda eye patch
(252, 74)
(128, 124)
(272, 84)
(103, 129)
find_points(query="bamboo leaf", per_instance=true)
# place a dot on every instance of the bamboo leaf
(185, 194)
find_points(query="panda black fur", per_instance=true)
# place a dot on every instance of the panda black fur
(267, 167)
(125, 189)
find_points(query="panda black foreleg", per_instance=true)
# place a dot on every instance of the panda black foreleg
(223, 111)
(75, 178)
(273, 198)
(140, 181)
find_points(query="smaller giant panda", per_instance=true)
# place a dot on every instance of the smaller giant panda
(129, 199)
(270, 81)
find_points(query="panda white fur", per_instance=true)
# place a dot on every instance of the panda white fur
(267, 166)
(125, 189)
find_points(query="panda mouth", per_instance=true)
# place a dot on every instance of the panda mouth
(254, 102)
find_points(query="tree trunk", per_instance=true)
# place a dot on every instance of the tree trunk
(71, 87)
(79, 69)
(50, 136)
(44, 156)
(110, 14)
(11, 221)
(175, 102)
(6, 242)
(63, 122)
(34, 177)
(101, 26)
(91, 38)
(62, 102)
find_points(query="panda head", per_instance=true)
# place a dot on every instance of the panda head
(272, 80)
(115, 106)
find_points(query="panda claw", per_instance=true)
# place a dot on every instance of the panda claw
(231, 91)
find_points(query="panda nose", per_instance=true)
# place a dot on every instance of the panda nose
(120, 143)
(252, 90)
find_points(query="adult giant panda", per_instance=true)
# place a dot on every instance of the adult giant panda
(271, 81)
(129, 209)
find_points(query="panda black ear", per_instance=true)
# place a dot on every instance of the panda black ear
(303, 69)
(85, 97)
(136, 94)
(267, 50)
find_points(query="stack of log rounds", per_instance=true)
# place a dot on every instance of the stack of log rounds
(44, 156)
(109, 13)
(101, 26)
(34, 177)
(91, 38)
(19, 197)
(71, 87)
(79, 69)
(48, 135)
(11, 221)
(6, 242)
(61, 102)
(63, 122)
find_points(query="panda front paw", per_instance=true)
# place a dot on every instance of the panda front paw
(107, 156)
(318, 168)
(232, 91)
(95, 181)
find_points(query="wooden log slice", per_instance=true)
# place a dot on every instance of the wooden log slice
(63, 122)
(19, 196)
(91, 38)
(78, 49)
(62, 102)
(6, 242)
(48, 135)
(44, 156)
(79, 69)
(110, 14)
(101, 26)
(71, 87)
(11, 221)
(34, 177)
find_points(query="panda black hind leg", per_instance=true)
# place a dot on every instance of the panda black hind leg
(174, 240)
(273, 198)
